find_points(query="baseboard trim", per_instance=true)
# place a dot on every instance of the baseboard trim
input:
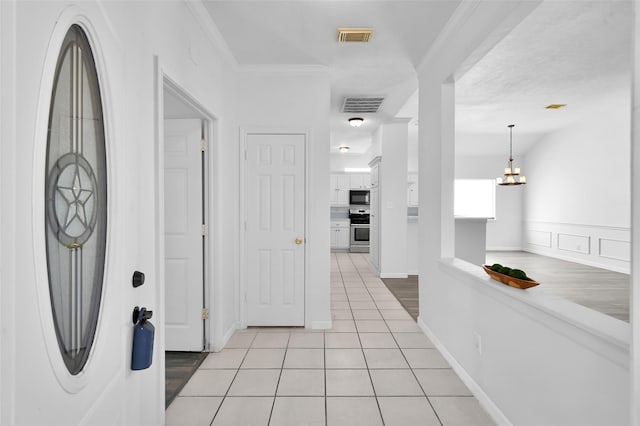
(576, 259)
(321, 325)
(519, 248)
(225, 337)
(496, 414)
(393, 275)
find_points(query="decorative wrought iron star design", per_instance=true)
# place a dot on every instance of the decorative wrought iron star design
(76, 198)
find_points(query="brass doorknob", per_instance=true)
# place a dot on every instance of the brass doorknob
(298, 240)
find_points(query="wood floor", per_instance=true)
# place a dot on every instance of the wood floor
(598, 289)
(406, 291)
(179, 367)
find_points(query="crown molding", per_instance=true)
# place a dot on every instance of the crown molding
(203, 18)
(285, 69)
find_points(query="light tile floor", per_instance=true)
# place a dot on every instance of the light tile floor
(374, 367)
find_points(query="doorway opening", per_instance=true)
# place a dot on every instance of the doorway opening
(184, 168)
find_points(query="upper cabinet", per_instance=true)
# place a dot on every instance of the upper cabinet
(375, 171)
(339, 185)
(360, 181)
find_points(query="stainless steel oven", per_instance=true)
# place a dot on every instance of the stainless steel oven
(359, 238)
(359, 241)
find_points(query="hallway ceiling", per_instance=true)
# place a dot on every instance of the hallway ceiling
(570, 52)
(305, 33)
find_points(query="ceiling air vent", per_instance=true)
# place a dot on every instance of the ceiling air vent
(358, 35)
(362, 105)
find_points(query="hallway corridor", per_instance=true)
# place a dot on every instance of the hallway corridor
(374, 367)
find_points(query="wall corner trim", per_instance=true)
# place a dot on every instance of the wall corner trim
(219, 345)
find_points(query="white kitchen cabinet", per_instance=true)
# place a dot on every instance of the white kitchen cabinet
(374, 218)
(412, 190)
(374, 230)
(339, 185)
(374, 172)
(339, 237)
(360, 181)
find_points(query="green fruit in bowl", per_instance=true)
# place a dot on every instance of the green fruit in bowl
(505, 270)
(496, 267)
(517, 273)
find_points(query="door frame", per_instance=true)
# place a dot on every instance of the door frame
(245, 132)
(211, 287)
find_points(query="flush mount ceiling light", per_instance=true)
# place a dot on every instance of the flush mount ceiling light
(555, 106)
(511, 175)
(356, 121)
(343, 148)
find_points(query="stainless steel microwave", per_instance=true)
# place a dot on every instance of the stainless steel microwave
(359, 197)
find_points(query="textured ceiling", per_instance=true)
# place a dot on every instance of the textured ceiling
(571, 52)
(568, 52)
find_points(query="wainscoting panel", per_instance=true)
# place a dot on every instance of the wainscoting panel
(577, 243)
(614, 249)
(604, 247)
(538, 238)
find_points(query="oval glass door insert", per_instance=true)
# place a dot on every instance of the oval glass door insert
(75, 200)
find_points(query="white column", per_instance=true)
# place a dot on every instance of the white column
(394, 138)
(436, 151)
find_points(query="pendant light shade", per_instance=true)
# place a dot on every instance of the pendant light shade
(512, 174)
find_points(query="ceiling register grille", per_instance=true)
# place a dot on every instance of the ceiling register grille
(354, 35)
(362, 105)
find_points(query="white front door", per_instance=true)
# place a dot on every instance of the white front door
(74, 227)
(183, 235)
(274, 238)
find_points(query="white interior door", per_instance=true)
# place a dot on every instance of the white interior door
(183, 235)
(275, 229)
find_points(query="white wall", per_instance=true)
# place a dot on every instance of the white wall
(8, 191)
(578, 195)
(573, 362)
(413, 147)
(338, 162)
(290, 100)
(126, 37)
(393, 199)
(505, 232)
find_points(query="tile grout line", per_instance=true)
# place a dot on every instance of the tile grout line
(407, 361)
(324, 351)
(403, 356)
(346, 267)
(418, 381)
(373, 388)
(233, 380)
(275, 392)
